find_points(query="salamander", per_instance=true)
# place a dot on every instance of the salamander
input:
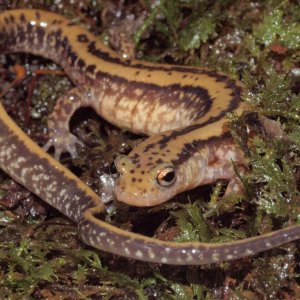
(183, 111)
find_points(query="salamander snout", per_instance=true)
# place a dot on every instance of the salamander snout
(140, 184)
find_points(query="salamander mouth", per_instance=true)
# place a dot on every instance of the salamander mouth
(143, 199)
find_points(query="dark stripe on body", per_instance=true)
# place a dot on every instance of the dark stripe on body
(34, 39)
(187, 151)
(94, 49)
(103, 55)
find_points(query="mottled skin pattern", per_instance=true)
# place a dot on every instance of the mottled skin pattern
(145, 98)
(24, 161)
(148, 249)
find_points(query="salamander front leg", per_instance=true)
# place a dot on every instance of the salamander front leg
(58, 123)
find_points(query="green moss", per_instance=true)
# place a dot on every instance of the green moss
(51, 256)
(275, 175)
(274, 28)
(197, 32)
(191, 224)
(274, 162)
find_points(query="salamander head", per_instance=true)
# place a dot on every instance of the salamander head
(146, 178)
(144, 186)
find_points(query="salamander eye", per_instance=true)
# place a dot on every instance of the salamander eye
(113, 170)
(166, 177)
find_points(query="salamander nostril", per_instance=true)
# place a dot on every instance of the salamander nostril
(113, 170)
